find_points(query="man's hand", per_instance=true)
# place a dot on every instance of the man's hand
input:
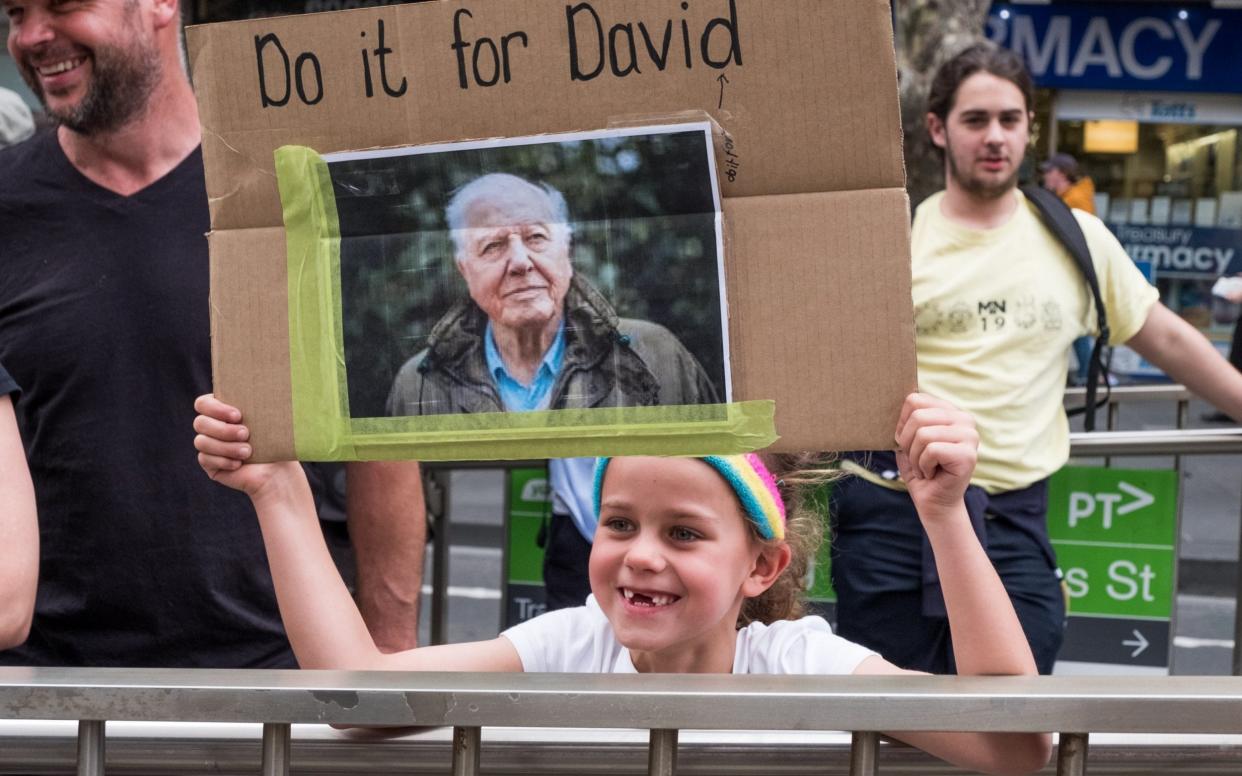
(937, 447)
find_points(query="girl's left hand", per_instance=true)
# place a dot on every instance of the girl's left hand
(937, 447)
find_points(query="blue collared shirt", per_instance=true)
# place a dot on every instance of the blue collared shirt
(522, 398)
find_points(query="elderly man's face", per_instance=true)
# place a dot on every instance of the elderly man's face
(515, 264)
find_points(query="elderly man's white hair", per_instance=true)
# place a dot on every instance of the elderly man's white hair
(16, 122)
(500, 187)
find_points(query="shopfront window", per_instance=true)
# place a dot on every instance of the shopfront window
(1171, 190)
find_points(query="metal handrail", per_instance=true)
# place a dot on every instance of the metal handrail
(662, 704)
(1176, 704)
(1170, 442)
(1120, 394)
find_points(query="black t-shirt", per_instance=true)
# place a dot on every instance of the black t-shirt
(104, 323)
(7, 385)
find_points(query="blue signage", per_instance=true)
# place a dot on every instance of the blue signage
(1183, 251)
(1124, 46)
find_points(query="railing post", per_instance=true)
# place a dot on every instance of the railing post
(1113, 413)
(467, 746)
(662, 753)
(436, 495)
(1072, 754)
(277, 737)
(91, 747)
(865, 753)
(1237, 611)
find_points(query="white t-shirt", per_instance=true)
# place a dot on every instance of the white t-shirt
(581, 640)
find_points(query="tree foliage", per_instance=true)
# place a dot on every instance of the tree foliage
(927, 33)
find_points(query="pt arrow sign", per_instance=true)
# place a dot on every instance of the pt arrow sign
(1083, 505)
(1138, 642)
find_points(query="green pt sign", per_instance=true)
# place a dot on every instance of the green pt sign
(528, 508)
(1115, 531)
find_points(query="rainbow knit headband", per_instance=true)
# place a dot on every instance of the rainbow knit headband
(750, 480)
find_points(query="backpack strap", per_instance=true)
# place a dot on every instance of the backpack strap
(1059, 220)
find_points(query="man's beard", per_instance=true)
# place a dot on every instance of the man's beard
(120, 85)
(975, 187)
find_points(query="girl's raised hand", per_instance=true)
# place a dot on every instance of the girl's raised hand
(937, 447)
(223, 448)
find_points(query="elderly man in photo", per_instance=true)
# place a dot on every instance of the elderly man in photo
(533, 335)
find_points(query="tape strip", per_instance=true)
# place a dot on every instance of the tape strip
(324, 431)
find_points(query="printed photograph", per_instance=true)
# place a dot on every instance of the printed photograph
(551, 272)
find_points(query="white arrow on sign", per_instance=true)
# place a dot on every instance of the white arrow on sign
(1138, 642)
(1142, 498)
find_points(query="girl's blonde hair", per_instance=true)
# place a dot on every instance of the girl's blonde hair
(799, 477)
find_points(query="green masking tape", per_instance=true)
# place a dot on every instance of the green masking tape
(324, 431)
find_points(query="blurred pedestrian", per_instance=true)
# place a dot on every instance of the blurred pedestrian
(1063, 178)
(16, 120)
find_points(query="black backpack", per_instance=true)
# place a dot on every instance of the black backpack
(1061, 222)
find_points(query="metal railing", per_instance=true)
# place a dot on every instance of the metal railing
(660, 704)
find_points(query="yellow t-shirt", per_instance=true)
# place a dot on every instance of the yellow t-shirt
(996, 311)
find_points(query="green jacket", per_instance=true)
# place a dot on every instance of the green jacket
(609, 362)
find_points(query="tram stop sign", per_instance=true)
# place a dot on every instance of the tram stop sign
(1115, 534)
(527, 511)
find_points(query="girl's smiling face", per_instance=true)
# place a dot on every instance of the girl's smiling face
(672, 561)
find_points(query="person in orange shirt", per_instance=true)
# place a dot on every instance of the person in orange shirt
(1061, 177)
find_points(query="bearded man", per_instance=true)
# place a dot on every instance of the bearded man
(104, 324)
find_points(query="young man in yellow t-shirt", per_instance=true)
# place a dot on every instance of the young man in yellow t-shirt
(997, 301)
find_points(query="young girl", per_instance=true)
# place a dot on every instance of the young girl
(696, 567)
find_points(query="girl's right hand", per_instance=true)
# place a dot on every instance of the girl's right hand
(223, 448)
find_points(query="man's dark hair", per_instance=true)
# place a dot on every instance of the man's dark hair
(978, 58)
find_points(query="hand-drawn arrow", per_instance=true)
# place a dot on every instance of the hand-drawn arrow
(723, 80)
(1144, 499)
(1138, 642)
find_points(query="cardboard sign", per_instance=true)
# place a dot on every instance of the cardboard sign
(816, 220)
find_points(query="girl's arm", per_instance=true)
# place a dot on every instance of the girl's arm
(320, 617)
(19, 533)
(936, 455)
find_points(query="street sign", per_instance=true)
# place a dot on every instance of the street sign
(1115, 531)
(528, 506)
(821, 598)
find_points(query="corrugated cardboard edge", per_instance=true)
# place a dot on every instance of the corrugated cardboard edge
(250, 369)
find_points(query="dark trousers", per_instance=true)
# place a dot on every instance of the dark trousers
(565, 561)
(887, 600)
